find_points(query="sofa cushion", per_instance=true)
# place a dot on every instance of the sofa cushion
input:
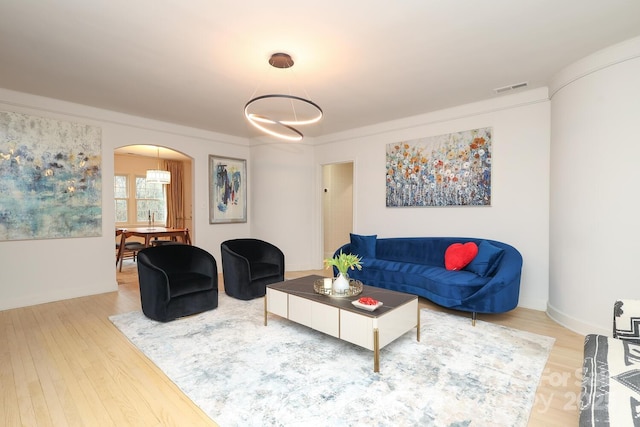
(363, 246)
(487, 260)
(416, 250)
(441, 285)
(458, 255)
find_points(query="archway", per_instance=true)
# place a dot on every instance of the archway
(133, 161)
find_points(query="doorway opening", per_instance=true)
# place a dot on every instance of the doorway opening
(133, 161)
(140, 204)
(337, 206)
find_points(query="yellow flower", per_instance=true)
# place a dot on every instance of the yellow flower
(344, 262)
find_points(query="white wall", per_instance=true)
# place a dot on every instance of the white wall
(283, 209)
(37, 271)
(519, 214)
(594, 187)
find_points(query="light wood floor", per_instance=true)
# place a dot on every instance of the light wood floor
(64, 363)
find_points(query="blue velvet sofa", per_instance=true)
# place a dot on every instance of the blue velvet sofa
(416, 265)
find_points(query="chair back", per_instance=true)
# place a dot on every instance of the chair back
(251, 249)
(174, 258)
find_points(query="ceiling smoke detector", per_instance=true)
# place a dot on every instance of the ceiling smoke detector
(511, 87)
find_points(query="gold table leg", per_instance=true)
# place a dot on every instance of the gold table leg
(265, 310)
(376, 350)
(418, 332)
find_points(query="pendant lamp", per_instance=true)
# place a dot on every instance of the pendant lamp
(279, 114)
(157, 175)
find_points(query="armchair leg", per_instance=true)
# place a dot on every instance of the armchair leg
(474, 316)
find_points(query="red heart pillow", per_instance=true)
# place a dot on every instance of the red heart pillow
(457, 256)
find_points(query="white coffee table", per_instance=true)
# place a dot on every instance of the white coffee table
(297, 301)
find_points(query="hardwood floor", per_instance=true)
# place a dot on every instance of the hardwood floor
(64, 363)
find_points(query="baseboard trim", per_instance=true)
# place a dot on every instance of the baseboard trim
(533, 303)
(576, 325)
(58, 295)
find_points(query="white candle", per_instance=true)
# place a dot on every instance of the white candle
(328, 283)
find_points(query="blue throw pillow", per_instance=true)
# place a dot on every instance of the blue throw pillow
(364, 246)
(487, 260)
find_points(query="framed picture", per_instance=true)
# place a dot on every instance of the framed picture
(50, 178)
(444, 170)
(227, 190)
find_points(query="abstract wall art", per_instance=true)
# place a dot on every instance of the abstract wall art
(50, 178)
(445, 170)
(227, 190)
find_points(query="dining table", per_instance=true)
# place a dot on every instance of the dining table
(149, 233)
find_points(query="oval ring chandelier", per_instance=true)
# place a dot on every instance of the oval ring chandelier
(277, 114)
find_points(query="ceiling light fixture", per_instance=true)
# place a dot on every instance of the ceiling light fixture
(157, 175)
(277, 114)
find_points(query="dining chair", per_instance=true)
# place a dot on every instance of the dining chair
(129, 249)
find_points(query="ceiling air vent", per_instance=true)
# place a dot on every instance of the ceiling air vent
(511, 87)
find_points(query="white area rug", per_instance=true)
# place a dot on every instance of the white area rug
(242, 373)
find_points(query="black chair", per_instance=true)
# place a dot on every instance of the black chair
(249, 265)
(177, 280)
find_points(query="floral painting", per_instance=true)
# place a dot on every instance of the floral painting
(445, 170)
(227, 190)
(50, 178)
